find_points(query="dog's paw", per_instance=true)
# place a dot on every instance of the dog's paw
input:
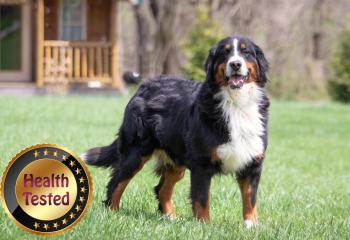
(170, 216)
(250, 224)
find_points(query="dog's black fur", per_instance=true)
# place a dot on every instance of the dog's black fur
(184, 119)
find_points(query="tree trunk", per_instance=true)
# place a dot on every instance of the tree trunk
(158, 23)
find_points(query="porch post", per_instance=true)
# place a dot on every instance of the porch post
(39, 43)
(116, 80)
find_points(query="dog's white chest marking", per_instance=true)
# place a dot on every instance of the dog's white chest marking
(241, 112)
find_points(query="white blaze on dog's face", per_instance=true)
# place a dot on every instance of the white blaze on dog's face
(236, 70)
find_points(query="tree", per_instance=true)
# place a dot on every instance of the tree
(160, 24)
(204, 35)
(339, 86)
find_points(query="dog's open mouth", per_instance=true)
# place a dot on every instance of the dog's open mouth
(237, 81)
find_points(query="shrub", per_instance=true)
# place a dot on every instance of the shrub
(205, 33)
(339, 86)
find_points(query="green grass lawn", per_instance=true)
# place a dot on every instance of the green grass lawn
(304, 191)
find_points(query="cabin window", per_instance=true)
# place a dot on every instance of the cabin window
(72, 20)
(10, 37)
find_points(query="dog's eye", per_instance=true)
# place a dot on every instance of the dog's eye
(245, 51)
(227, 50)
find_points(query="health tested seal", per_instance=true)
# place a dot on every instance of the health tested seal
(46, 189)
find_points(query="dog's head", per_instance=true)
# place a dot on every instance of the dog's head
(236, 61)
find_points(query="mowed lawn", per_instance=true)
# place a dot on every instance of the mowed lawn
(304, 191)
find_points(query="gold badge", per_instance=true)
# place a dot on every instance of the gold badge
(46, 189)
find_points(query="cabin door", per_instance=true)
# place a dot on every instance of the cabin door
(15, 42)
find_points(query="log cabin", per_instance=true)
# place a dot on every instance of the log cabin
(48, 41)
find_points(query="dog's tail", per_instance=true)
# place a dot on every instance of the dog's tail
(102, 156)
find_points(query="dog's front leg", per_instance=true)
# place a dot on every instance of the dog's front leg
(200, 186)
(248, 184)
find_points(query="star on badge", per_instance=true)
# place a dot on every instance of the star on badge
(77, 208)
(46, 226)
(78, 171)
(36, 225)
(55, 225)
(36, 154)
(81, 180)
(72, 215)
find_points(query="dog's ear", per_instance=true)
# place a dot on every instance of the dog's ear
(262, 62)
(208, 66)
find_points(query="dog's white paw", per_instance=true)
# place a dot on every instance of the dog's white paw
(170, 217)
(250, 224)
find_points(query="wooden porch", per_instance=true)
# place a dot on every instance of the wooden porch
(77, 61)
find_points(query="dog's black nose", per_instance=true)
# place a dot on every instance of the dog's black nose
(235, 65)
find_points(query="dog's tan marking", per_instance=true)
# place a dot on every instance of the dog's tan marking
(249, 211)
(119, 190)
(220, 75)
(200, 212)
(117, 194)
(243, 46)
(252, 68)
(169, 178)
(214, 155)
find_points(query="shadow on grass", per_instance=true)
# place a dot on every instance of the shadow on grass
(152, 216)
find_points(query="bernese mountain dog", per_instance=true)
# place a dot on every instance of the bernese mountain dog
(218, 126)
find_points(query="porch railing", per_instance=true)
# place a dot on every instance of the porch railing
(77, 61)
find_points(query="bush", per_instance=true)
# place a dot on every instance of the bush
(198, 42)
(339, 87)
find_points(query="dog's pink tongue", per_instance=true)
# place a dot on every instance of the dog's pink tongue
(236, 82)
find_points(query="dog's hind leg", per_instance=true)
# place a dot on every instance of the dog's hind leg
(130, 164)
(170, 175)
